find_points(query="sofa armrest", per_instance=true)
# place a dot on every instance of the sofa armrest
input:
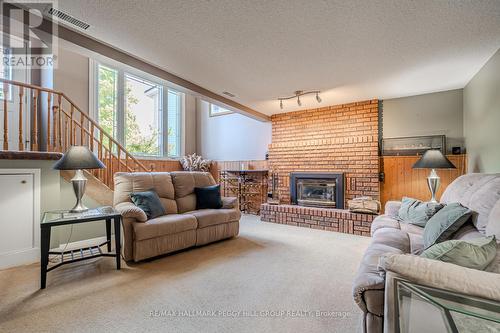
(438, 274)
(230, 202)
(129, 210)
(392, 208)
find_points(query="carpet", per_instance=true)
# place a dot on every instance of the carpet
(271, 278)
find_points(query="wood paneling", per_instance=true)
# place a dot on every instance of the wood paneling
(217, 166)
(401, 180)
(162, 165)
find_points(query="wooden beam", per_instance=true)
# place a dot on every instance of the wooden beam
(112, 52)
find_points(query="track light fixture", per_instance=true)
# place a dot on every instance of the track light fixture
(297, 95)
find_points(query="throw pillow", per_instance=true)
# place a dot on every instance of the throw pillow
(417, 212)
(475, 253)
(195, 163)
(149, 202)
(445, 223)
(208, 197)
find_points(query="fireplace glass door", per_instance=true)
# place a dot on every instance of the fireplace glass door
(316, 192)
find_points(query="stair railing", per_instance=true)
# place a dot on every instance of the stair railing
(55, 124)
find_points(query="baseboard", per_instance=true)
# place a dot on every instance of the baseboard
(19, 258)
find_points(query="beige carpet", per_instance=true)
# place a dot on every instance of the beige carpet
(271, 278)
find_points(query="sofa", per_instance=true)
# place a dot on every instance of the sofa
(183, 226)
(395, 247)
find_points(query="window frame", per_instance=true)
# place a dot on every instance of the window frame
(217, 114)
(123, 71)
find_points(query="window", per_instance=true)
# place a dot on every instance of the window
(174, 123)
(107, 88)
(132, 107)
(216, 110)
(143, 116)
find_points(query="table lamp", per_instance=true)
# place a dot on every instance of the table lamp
(433, 159)
(78, 158)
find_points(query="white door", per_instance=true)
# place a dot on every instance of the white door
(19, 217)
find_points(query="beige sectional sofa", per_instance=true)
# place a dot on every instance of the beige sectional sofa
(184, 226)
(395, 247)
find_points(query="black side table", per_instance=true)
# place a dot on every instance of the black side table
(64, 217)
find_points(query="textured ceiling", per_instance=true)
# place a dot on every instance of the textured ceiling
(260, 50)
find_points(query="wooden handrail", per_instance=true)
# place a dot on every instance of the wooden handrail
(61, 128)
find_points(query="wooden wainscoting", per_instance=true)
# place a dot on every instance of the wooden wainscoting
(217, 166)
(162, 165)
(401, 180)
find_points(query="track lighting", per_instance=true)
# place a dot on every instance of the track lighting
(297, 95)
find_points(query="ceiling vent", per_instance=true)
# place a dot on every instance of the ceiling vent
(227, 93)
(67, 18)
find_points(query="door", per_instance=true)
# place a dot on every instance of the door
(19, 219)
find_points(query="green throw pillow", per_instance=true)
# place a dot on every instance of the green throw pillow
(475, 253)
(445, 223)
(417, 212)
(149, 202)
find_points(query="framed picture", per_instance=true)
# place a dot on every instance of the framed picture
(413, 145)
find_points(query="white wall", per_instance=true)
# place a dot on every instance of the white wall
(429, 114)
(231, 137)
(482, 117)
(72, 77)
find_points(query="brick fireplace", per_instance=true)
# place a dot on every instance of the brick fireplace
(340, 139)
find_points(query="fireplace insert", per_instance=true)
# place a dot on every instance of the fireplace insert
(317, 189)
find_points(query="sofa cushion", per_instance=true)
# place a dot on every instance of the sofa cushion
(208, 217)
(383, 221)
(184, 184)
(417, 212)
(208, 197)
(164, 225)
(161, 182)
(477, 253)
(493, 227)
(149, 202)
(478, 191)
(445, 223)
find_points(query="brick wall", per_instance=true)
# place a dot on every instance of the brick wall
(338, 220)
(340, 138)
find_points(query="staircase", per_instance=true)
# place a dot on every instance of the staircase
(55, 124)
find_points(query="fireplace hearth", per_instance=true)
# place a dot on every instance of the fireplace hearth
(313, 189)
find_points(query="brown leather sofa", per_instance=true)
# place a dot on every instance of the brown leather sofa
(184, 226)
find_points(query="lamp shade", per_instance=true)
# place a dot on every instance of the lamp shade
(433, 159)
(78, 157)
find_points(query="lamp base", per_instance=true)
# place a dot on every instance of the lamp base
(79, 181)
(433, 181)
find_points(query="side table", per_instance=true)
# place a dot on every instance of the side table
(64, 217)
(425, 309)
